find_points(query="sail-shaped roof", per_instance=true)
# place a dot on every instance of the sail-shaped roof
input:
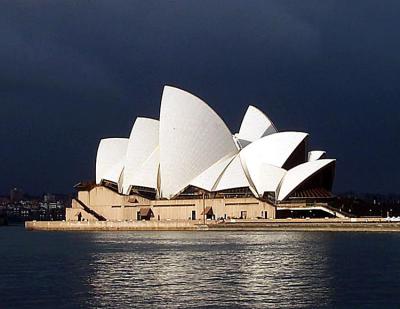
(316, 155)
(233, 177)
(210, 176)
(255, 124)
(299, 174)
(192, 138)
(143, 141)
(110, 159)
(273, 149)
(265, 177)
(146, 173)
(192, 146)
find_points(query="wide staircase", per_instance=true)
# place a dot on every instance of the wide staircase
(316, 206)
(338, 213)
(90, 210)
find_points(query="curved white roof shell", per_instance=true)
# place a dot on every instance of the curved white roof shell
(233, 177)
(297, 175)
(269, 178)
(191, 145)
(115, 174)
(192, 138)
(110, 159)
(146, 174)
(255, 124)
(265, 177)
(142, 143)
(272, 149)
(315, 155)
(209, 177)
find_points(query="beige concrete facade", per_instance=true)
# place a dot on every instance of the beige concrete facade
(116, 207)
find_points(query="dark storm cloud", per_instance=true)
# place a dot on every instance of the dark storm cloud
(72, 72)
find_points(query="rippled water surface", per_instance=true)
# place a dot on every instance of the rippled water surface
(198, 269)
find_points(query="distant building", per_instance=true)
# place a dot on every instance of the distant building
(188, 165)
(16, 195)
(49, 198)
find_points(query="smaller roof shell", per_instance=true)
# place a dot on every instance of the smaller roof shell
(110, 159)
(255, 124)
(299, 174)
(210, 176)
(115, 174)
(146, 174)
(265, 177)
(233, 177)
(316, 155)
(143, 141)
(273, 149)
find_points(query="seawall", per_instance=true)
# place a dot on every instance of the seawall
(110, 225)
(286, 225)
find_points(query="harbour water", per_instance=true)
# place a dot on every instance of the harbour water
(198, 269)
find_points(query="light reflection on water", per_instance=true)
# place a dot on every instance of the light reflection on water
(205, 269)
(198, 269)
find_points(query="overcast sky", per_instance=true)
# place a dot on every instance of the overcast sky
(73, 72)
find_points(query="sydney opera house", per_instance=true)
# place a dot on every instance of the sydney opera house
(189, 166)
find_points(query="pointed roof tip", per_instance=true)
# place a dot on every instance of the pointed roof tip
(266, 116)
(179, 91)
(255, 124)
(146, 118)
(165, 87)
(111, 139)
(314, 155)
(297, 132)
(176, 89)
(144, 124)
(293, 133)
(170, 86)
(141, 119)
(253, 107)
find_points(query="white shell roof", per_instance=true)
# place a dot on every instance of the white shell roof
(146, 174)
(273, 149)
(269, 178)
(297, 175)
(209, 177)
(191, 145)
(233, 177)
(265, 177)
(115, 174)
(255, 124)
(142, 143)
(192, 138)
(110, 159)
(315, 155)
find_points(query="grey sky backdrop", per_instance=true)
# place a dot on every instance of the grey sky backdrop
(72, 72)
